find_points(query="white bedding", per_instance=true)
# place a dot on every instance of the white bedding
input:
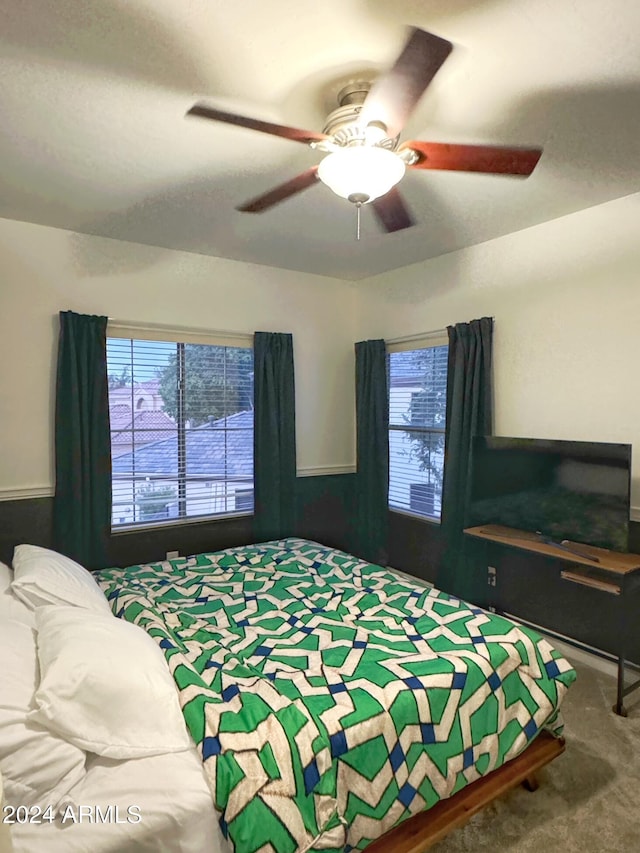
(174, 806)
(152, 804)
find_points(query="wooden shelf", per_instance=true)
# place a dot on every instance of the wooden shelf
(574, 552)
(594, 583)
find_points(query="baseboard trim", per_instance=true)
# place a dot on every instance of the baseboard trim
(574, 653)
(576, 650)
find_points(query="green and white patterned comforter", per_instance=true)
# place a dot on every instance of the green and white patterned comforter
(331, 698)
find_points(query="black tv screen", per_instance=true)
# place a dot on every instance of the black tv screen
(576, 490)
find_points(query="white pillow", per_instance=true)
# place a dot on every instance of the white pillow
(10, 605)
(38, 767)
(42, 577)
(105, 685)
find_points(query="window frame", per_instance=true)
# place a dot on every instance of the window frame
(429, 340)
(181, 337)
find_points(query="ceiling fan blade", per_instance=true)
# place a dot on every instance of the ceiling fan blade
(394, 94)
(474, 158)
(293, 133)
(282, 192)
(392, 212)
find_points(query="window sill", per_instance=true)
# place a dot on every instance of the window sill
(436, 522)
(178, 522)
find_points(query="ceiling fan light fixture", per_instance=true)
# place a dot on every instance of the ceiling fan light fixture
(361, 173)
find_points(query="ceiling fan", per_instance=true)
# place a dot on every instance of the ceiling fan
(364, 158)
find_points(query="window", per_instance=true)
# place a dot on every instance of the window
(417, 411)
(181, 418)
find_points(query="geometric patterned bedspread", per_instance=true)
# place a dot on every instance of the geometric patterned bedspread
(330, 698)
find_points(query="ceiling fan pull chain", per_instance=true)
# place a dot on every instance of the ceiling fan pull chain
(358, 206)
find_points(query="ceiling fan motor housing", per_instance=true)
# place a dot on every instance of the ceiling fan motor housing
(343, 125)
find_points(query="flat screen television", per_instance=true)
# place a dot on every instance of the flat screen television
(575, 490)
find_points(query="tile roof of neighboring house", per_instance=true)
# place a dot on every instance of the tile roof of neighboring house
(221, 449)
(127, 393)
(119, 415)
(155, 423)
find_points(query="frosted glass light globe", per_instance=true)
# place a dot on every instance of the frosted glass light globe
(361, 173)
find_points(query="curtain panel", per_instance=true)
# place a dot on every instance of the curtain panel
(82, 501)
(469, 413)
(372, 450)
(274, 436)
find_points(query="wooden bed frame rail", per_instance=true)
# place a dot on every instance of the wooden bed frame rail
(420, 832)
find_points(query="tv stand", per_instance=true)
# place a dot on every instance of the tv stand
(608, 572)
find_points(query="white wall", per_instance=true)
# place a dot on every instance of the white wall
(46, 270)
(565, 296)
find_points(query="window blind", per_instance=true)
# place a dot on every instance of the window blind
(417, 412)
(181, 429)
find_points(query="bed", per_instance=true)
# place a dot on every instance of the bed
(331, 699)
(321, 703)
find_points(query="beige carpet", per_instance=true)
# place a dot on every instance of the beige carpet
(589, 797)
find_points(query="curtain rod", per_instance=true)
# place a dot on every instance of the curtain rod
(420, 336)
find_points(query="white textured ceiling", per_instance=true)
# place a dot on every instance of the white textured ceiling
(93, 136)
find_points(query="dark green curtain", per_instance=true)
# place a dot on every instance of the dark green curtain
(469, 413)
(82, 502)
(274, 436)
(372, 450)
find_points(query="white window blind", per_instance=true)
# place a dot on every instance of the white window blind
(417, 412)
(181, 418)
